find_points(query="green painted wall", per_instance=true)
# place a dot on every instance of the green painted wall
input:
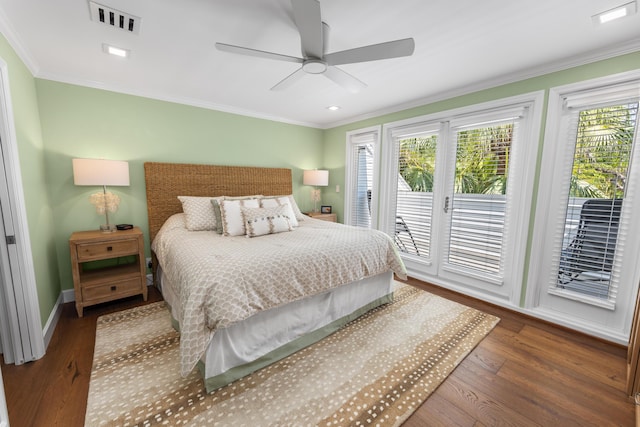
(31, 151)
(83, 122)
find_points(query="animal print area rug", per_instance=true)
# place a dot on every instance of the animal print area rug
(376, 370)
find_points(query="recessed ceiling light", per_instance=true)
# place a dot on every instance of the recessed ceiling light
(117, 51)
(333, 108)
(615, 13)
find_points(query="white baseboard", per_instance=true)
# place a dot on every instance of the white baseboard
(68, 295)
(52, 321)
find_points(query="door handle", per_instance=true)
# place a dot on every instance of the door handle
(446, 204)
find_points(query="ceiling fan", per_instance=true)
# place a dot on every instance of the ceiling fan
(314, 36)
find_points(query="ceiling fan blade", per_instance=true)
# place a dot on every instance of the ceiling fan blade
(344, 79)
(259, 53)
(306, 14)
(374, 52)
(289, 80)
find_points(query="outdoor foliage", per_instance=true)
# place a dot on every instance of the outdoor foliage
(482, 161)
(601, 160)
(603, 150)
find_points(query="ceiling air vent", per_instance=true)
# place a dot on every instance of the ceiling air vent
(114, 18)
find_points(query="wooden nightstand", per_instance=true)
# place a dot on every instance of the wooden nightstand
(102, 284)
(323, 216)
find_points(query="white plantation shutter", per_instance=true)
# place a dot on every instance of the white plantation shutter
(362, 153)
(598, 130)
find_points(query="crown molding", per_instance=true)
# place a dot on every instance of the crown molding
(552, 67)
(16, 44)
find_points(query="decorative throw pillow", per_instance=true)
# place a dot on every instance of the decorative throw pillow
(199, 212)
(261, 221)
(216, 211)
(281, 201)
(296, 210)
(232, 219)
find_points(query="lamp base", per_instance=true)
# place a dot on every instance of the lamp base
(108, 228)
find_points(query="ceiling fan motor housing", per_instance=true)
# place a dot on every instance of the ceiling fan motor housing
(314, 66)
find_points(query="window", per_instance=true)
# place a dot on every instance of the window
(360, 195)
(584, 252)
(602, 140)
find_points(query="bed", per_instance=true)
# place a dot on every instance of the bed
(242, 303)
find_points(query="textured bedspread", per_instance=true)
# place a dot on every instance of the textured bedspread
(224, 280)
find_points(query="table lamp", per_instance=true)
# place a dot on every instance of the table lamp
(102, 172)
(316, 178)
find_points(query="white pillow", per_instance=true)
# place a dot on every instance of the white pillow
(198, 212)
(281, 201)
(232, 219)
(294, 206)
(261, 221)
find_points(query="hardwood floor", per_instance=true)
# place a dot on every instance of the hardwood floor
(524, 373)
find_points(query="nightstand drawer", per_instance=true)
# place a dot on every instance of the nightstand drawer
(112, 290)
(92, 251)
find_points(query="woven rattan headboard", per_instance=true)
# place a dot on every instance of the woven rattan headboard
(166, 181)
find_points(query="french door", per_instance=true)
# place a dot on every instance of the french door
(457, 190)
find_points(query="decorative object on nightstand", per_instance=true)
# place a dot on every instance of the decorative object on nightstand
(331, 217)
(325, 209)
(107, 283)
(102, 172)
(316, 178)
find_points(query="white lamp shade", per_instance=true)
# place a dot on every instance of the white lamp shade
(318, 178)
(100, 172)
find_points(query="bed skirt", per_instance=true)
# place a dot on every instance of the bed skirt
(271, 335)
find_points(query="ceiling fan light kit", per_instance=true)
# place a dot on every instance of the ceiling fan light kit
(314, 66)
(313, 39)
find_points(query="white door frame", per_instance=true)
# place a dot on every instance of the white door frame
(23, 280)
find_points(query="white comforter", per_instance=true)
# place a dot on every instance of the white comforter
(222, 280)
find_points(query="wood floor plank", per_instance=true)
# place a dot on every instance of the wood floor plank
(558, 362)
(437, 411)
(506, 393)
(482, 406)
(526, 372)
(584, 402)
(599, 365)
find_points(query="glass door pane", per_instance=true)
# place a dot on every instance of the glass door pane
(414, 203)
(477, 203)
(363, 186)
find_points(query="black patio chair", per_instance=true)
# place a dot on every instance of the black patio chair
(401, 227)
(585, 265)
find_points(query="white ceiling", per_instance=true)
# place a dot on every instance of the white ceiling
(461, 46)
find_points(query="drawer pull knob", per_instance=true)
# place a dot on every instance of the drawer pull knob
(109, 248)
(113, 288)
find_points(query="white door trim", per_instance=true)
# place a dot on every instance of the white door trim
(23, 272)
